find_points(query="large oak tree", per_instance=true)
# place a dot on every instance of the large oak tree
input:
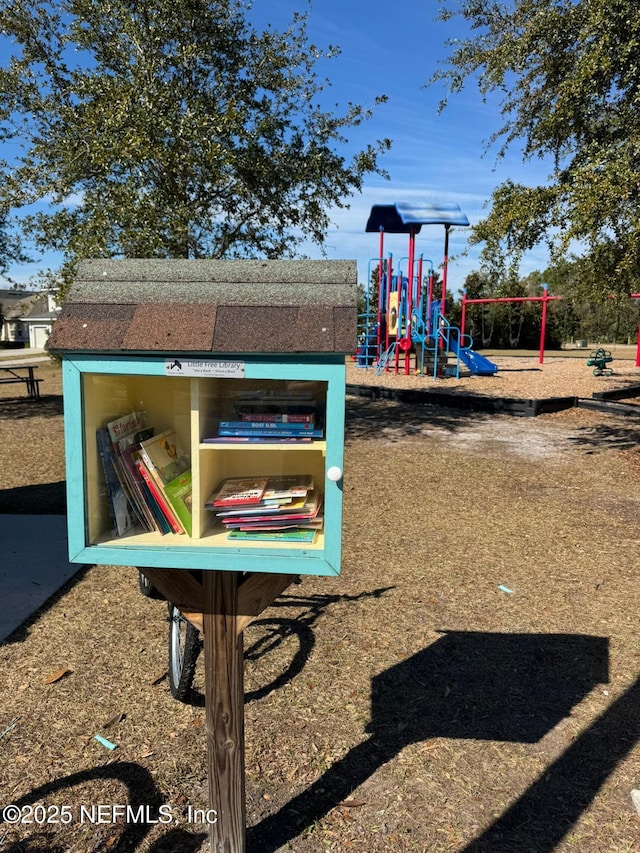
(169, 128)
(568, 73)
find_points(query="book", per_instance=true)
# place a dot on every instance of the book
(288, 486)
(238, 490)
(262, 508)
(309, 510)
(139, 491)
(127, 430)
(274, 417)
(282, 494)
(255, 439)
(164, 456)
(179, 495)
(125, 426)
(272, 535)
(291, 426)
(270, 433)
(159, 519)
(159, 497)
(122, 513)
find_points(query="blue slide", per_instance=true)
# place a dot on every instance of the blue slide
(476, 363)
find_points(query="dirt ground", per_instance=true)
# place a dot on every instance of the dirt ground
(521, 377)
(469, 684)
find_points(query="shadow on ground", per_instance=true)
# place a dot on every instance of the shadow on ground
(19, 408)
(142, 795)
(38, 499)
(365, 418)
(267, 634)
(609, 436)
(498, 687)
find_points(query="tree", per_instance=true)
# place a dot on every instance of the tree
(170, 128)
(569, 77)
(10, 247)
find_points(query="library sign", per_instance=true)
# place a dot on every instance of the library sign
(202, 367)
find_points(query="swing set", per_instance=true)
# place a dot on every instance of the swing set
(544, 299)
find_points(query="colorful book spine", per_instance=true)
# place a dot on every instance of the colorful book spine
(130, 479)
(179, 495)
(160, 498)
(272, 417)
(273, 535)
(270, 433)
(254, 439)
(280, 426)
(123, 515)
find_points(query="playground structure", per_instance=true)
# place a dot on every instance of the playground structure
(408, 322)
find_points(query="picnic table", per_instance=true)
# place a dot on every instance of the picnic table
(23, 373)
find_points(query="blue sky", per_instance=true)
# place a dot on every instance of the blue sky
(393, 49)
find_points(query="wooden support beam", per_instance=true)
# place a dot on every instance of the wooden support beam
(178, 586)
(256, 591)
(224, 704)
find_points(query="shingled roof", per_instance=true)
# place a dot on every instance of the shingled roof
(209, 306)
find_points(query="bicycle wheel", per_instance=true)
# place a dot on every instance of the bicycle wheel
(146, 587)
(184, 648)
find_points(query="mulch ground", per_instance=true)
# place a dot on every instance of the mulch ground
(469, 684)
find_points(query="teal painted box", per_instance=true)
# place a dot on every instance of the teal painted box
(204, 413)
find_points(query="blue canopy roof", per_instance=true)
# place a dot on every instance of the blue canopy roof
(401, 218)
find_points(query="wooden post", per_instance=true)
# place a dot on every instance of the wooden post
(224, 695)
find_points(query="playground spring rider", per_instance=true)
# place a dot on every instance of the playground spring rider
(599, 361)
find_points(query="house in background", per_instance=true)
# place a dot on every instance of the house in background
(26, 317)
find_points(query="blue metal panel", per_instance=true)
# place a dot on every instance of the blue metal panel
(431, 214)
(385, 217)
(402, 218)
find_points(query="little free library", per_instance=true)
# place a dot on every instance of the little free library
(204, 431)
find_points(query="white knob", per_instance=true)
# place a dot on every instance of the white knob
(334, 474)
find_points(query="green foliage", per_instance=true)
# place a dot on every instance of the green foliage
(170, 129)
(10, 247)
(569, 77)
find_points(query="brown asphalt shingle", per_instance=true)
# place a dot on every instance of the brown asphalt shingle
(209, 306)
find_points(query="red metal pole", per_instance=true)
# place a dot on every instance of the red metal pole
(463, 316)
(638, 349)
(388, 306)
(543, 323)
(412, 253)
(445, 263)
(380, 291)
(513, 299)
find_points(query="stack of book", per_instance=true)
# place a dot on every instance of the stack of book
(268, 508)
(271, 417)
(147, 476)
